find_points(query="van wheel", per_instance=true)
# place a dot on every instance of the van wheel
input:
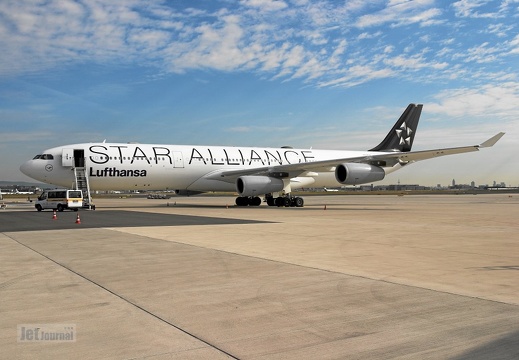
(60, 208)
(38, 207)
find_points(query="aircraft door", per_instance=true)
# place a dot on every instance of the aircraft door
(79, 158)
(178, 160)
(67, 158)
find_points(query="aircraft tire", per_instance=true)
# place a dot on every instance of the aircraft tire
(279, 201)
(254, 201)
(299, 202)
(242, 201)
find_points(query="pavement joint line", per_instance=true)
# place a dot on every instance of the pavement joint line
(325, 270)
(126, 300)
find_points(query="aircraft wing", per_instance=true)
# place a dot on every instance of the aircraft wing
(413, 156)
(294, 170)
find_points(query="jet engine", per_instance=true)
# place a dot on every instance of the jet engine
(250, 185)
(357, 173)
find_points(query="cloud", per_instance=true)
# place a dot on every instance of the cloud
(514, 45)
(470, 8)
(400, 13)
(500, 30)
(266, 5)
(359, 74)
(487, 101)
(218, 47)
(366, 35)
(322, 43)
(415, 62)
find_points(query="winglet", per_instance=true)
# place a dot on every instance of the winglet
(490, 142)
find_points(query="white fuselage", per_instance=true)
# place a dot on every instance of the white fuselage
(118, 166)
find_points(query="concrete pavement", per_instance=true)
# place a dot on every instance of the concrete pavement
(369, 277)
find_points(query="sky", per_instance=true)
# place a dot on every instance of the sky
(305, 73)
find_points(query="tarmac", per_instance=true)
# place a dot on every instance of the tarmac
(345, 277)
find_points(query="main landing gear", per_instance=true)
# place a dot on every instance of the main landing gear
(280, 201)
(285, 201)
(248, 200)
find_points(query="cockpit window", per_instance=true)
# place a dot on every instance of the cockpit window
(44, 157)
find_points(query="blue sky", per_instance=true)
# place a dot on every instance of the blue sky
(321, 74)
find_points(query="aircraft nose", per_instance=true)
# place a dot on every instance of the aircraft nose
(27, 168)
(24, 168)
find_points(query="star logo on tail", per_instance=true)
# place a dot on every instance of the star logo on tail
(404, 134)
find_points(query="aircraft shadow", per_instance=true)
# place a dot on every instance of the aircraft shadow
(505, 347)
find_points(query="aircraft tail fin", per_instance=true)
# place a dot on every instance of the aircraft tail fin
(401, 136)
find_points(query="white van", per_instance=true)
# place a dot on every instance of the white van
(60, 199)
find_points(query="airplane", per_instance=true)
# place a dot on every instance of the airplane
(23, 192)
(330, 190)
(252, 172)
(16, 192)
